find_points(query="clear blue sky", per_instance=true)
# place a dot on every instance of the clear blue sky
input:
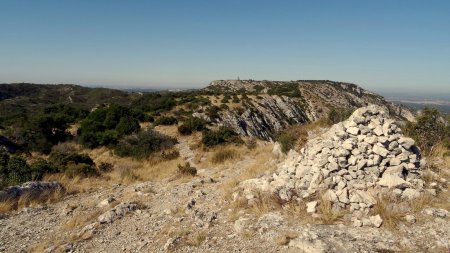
(381, 45)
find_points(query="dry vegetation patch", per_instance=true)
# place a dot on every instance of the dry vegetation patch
(223, 155)
(388, 208)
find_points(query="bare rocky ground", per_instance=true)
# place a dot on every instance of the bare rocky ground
(195, 214)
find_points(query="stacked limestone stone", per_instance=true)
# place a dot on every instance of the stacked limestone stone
(352, 162)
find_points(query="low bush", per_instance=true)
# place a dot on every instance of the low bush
(295, 137)
(290, 90)
(287, 141)
(40, 167)
(337, 115)
(213, 112)
(429, 130)
(165, 121)
(74, 164)
(62, 159)
(226, 99)
(170, 154)
(13, 170)
(191, 125)
(80, 169)
(187, 169)
(104, 126)
(144, 143)
(224, 134)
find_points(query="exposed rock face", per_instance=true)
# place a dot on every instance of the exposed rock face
(271, 112)
(34, 189)
(352, 162)
(265, 117)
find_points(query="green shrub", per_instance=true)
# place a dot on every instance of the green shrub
(144, 143)
(155, 102)
(224, 134)
(148, 118)
(187, 169)
(193, 102)
(41, 167)
(13, 170)
(287, 141)
(127, 125)
(337, 115)
(191, 125)
(63, 159)
(258, 88)
(429, 130)
(235, 99)
(213, 112)
(225, 99)
(223, 155)
(80, 169)
(290, 90)
(106, 125)
(165, 121)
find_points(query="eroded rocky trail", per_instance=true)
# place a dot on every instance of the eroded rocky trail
(207, 213)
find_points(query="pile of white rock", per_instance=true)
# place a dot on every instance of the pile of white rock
(350, 164)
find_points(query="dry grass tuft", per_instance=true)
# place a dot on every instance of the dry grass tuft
(326, 213)
(187, 169)
(418, 204)
(387, 208)
(296, 211)
(30, 200)
(264, 203)
(8, 206)
(223, 155)
(196, 239)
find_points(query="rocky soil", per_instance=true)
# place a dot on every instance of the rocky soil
(198, 214)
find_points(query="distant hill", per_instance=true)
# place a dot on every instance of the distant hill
(19, 99)
(251, 108)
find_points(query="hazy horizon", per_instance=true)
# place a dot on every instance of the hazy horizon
(383, 46)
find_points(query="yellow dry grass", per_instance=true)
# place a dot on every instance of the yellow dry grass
(8, 206)
(296, 212)
(29, 200)
(196, 239)
(224, 155)
(418, 204)
(326, 213)
(386, 207)
(260, 156)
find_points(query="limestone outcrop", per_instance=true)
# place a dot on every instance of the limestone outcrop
(279, 104)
